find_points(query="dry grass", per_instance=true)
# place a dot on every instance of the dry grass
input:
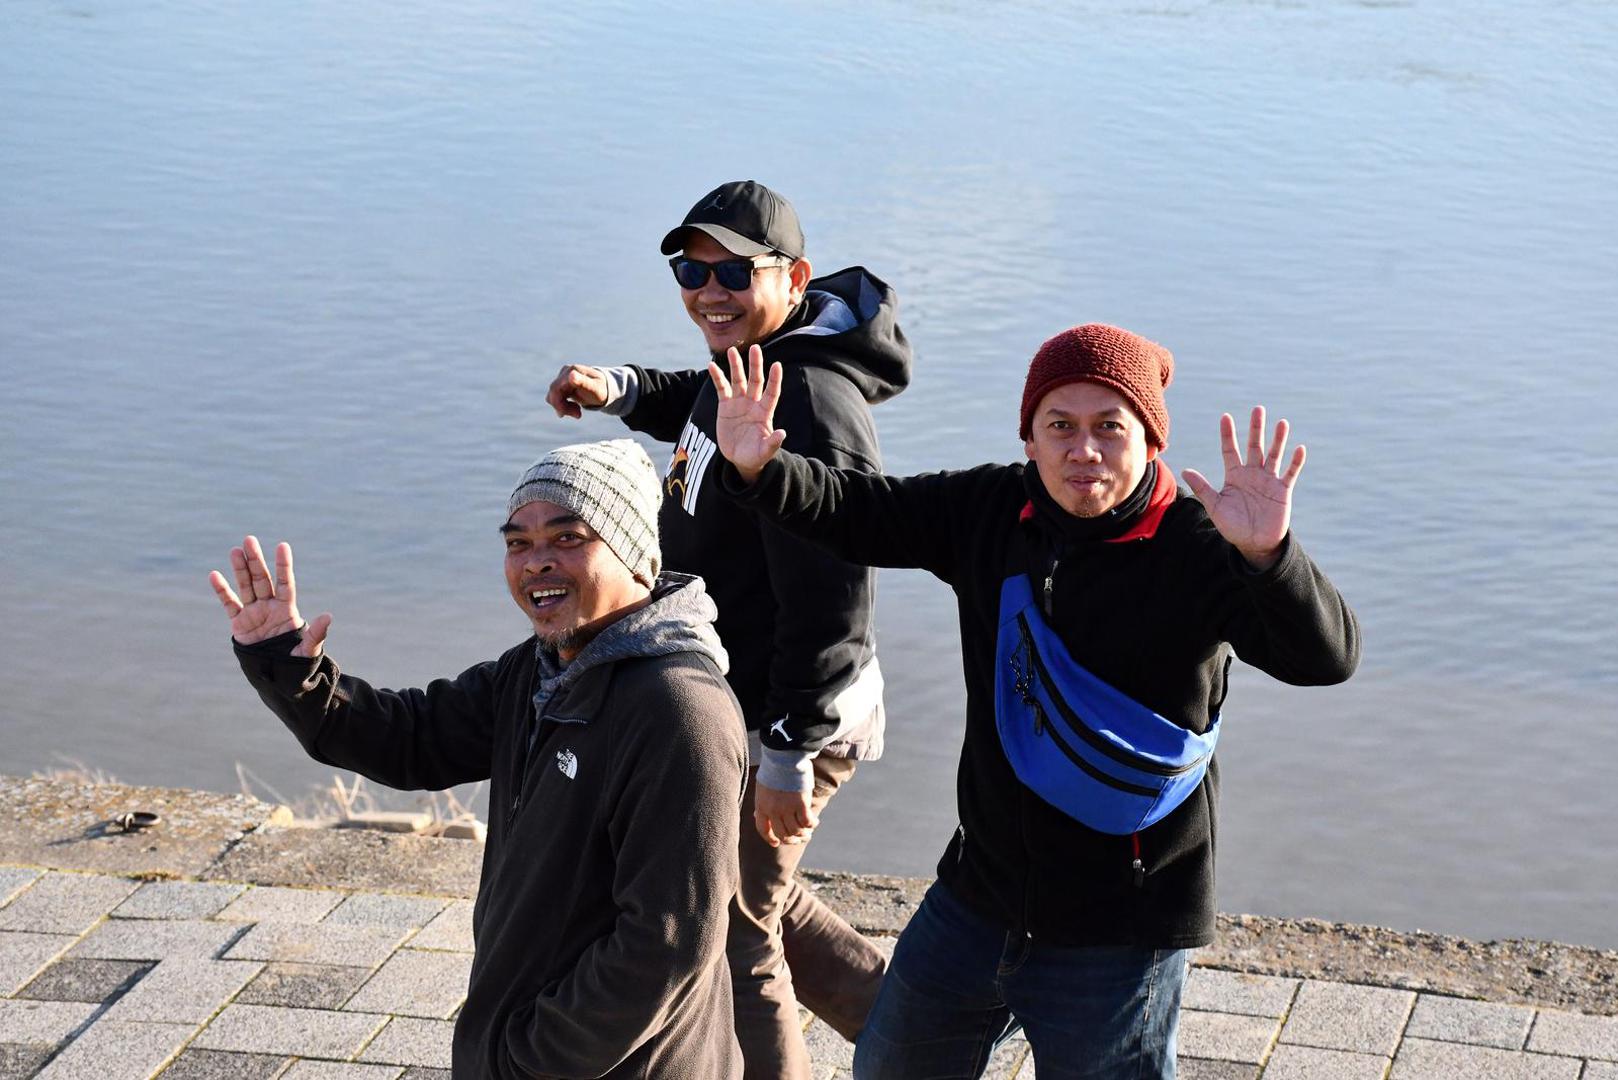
(343, 800)
(340, 802)
(74, 771)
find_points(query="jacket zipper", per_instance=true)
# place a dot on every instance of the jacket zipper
(1078, 726)
(530, 740)
(1137, 866)
(1050, 586)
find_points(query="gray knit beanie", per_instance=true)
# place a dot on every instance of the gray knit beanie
(613, 487)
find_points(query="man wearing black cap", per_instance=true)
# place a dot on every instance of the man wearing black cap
(796, 622)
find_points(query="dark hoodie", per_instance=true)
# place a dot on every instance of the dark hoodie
(796, 621)
(1152, 600)
(611, 857)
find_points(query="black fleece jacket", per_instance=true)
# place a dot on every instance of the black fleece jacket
(1158, 617)
(611, 856)
(795, 620)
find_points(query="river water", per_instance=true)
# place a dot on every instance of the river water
(305, 269)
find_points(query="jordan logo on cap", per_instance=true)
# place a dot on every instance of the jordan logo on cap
(715, 203)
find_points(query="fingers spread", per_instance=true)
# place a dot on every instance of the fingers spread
(738, 376)
(283, 571)
(1278, 446)
(227, 595)
(1227, 443)
(755, 371)
(314, 636)
(1291, 475)
(721, 384)
(772, 388)
(1199, 485)
(244, 580)
(1255, 437)
(258, 570)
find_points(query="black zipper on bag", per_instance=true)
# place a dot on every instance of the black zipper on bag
(1042, 726)
(1090, 737)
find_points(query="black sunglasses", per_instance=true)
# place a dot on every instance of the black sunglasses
(735, 275)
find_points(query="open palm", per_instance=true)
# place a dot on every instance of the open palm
(745, 427)
(1253, 510)
(266, 608)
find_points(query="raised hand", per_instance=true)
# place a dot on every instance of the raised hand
(575, 388)
(1254, 508)
(746, 427)
(266, 608)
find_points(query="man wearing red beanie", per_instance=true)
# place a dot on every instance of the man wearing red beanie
(1101, 607)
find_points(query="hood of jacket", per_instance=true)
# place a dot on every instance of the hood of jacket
(848, 323)
(679, 618)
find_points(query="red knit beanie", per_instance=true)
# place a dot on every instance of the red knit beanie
(1128, 363)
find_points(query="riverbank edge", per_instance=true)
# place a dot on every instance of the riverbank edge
(71, 826)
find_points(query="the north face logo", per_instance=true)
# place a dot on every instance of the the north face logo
(566, 763)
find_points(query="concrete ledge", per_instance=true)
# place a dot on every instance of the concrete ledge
(53, 824)
(353, 859)
(66, 825)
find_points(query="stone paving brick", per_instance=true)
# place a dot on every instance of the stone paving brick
(304, 986)
(1237, 992)
(1313, 1063)
(64, 903)
(411, 1041)
(177, 900)
(85, 980)
(1479, 1023)
(184, 991)
(327, 943)
(1422, 1059)
(224, 1065)
(339, 1070)
(1226, 1036)
(266, 1029)
(418, 1073)
(1575, 1035)
(116, 1050)
(415, 983)
(1012, 1061)
(20, 1062)
(828, 1050)
(384, 909)
(1341, 1016)
(450, 930)
(12, 880)
(1198, 1069)
(1600, 1070)
(276, 903)
(44, 1023)
(22, 956)
(155, 939)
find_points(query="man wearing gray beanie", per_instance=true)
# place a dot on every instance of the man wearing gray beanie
(616, 756)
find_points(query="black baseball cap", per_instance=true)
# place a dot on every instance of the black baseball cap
(745, 216)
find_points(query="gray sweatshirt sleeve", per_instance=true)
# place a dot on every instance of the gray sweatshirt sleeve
(623, 390)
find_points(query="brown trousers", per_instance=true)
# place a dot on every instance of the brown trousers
(786, 947)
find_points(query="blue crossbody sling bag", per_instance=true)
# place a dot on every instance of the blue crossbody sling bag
(1086, 748)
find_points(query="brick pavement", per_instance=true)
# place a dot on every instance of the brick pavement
(106, 977)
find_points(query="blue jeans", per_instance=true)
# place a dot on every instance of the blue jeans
(958, 986)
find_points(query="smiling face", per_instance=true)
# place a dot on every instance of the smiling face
(565, 578)
(743, 318)
(1089, 446)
